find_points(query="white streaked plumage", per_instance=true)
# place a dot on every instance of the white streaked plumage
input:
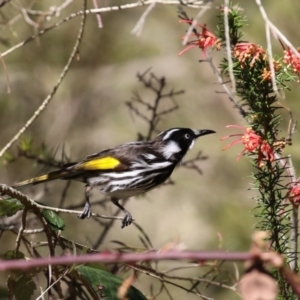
(129, 174)
(192, 145)
(170, 148)
(147, 166)
(128, 169)
(149, 156)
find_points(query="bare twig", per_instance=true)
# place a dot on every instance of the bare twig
(50, 96)
(6, 74)
(29, 203)
(162, 276)
(194, 23)
(106, 229)
(53, 283)
(294, 239)
(56, 10)
(191, 163)
(111, 257)
(157, 86)
(225, 87)
(33, 231)
(98, 15)
(20, 232)
(228, 46)
(293, 255)
(269, 47)
(275, 30)
(194, 4)
(138, 28)
(295, 224)
(28, 20)
(3, 2)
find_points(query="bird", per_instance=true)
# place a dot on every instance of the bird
(126, 170)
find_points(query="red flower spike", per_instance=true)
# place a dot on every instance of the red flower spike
(267, 75)
(292, 61)
(252, 142)
(244, 51)
(294, 194)
(204, 39)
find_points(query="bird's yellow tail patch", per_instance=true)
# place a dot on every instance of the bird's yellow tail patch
(42, 178)
(34, 180)
(103, 163)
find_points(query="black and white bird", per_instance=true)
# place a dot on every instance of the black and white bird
(127, 170)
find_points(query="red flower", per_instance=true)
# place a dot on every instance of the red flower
(252, 142)
(267, 75)
(292, 61)
(204, 39)
(294, 194)
(244, 51)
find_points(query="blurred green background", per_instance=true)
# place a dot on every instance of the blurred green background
(88, 114)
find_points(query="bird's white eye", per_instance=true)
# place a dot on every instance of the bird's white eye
(187, 136)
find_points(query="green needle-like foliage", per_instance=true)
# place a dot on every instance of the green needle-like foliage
(254, 89)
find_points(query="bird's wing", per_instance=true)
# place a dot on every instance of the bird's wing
(119, 158)
(99, 163)
(107, 160)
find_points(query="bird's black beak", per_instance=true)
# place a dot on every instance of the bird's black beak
(203, 132)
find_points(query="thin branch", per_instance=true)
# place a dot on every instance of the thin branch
(269, 47)
(3, 2)
(97, 11)
(6, 75)
(30, 203)
(162, 276)
(276, 31)
(106, 229)
(20, 232)
(194, 23)
(157, 85)
(228, 46)
(28, 20)
(295, 224)
(53, 283)
(56, 10)
(138, 28)
(293, 254)
(225, 87)
(109, 258)
(50, 96)
(294, 239)
(98, 15)
(33, 231)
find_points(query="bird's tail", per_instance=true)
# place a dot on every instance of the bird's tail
(39, 179)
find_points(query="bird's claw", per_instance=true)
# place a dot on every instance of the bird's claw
(127, 220)
(86, 213)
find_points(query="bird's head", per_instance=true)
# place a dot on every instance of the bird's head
(174, 143)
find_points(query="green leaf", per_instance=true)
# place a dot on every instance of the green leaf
(21, 285)
(6, 158)
(10, 254)
(26, 143)
(107, 283)
(54, 220)
(9, 207)
(3, 293)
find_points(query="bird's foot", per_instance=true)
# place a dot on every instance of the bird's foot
(127, 220)
(87, 212)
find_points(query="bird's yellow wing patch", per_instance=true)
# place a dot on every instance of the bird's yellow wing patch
(103, 163)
